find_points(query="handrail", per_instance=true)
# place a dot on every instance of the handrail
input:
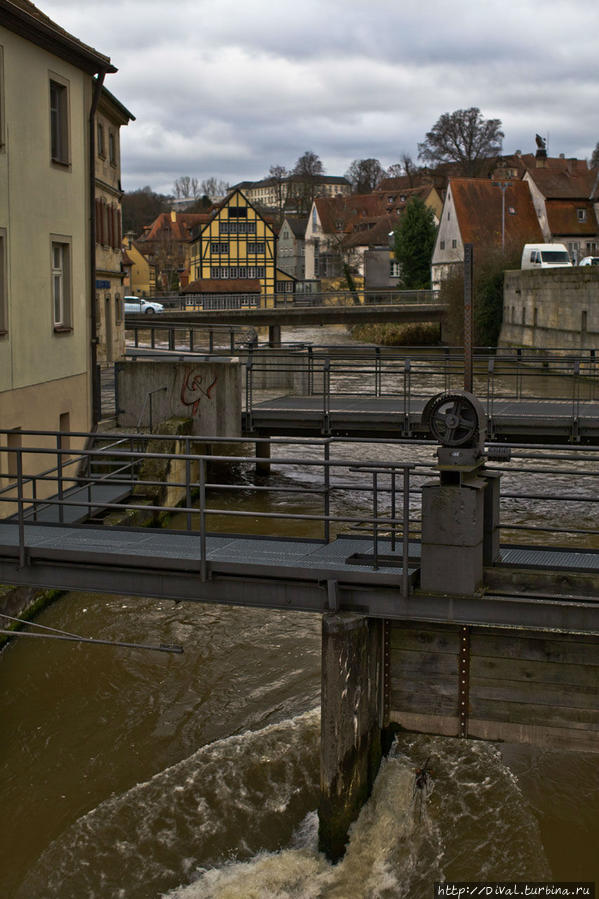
(340, 472)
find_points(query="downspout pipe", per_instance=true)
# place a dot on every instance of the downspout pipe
(95, 374)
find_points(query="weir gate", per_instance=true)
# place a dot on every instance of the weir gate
(459, 589)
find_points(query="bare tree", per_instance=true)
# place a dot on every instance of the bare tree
(303, 184)
(463, 137)
(183, 187)
(595, 157)
(309, 165)
(365, 175)
(213, 188)
(410, 168)
(280, 176)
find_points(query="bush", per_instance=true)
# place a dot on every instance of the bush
(426, 334)
(487, 290)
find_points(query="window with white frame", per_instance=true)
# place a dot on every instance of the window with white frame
(59, 121)
(394, 269)
(61, 285)
(581, 215)
(111, 148)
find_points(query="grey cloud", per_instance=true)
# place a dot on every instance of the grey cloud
(223, 89)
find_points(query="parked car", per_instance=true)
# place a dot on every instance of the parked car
(545, 255)
(589, 260)
(137, 304)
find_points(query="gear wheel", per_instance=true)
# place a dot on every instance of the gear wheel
(454, 419)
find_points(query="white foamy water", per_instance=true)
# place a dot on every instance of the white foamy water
(236, 820)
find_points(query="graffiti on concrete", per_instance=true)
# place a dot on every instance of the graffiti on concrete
(192, 390)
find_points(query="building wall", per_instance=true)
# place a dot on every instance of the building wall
(142, 276)
(551, 308)
(109, 277)
(236, 243)
(449, 247)
(290, 252)
(40, 201)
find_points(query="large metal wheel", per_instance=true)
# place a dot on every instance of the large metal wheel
(453, 420)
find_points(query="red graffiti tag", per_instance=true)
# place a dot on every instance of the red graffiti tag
(192, 390)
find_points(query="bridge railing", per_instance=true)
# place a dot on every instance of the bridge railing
(376, 373)
(316, 489)
(383, 296)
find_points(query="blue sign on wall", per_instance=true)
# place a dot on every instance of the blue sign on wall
(102, 285)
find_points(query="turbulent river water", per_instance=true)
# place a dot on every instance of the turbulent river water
(138, 775)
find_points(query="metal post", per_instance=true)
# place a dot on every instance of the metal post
(407, 396)
(576, 401)
(232, 340)
(20, 508)
(60, 482)
(191, 339)
(152, 337)
(326, 397)
(468, 317)
(211, 340)
(310, 371)
(171, 338)
(405, 581)
(375, 515)
(203, 565)
(327, 489)
(135, 337)
(377, 371)
(188, 482)
(490, 396)
(248, 393)
(393, 497)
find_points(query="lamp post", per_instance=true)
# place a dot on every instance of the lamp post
(503, 186)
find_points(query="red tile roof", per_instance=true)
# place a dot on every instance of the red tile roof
(21, 14)
(562, 216)
(559, 181)
(179, 229)
(478, 205)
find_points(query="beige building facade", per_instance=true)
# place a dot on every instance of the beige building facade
(46, 258)
(111, 115)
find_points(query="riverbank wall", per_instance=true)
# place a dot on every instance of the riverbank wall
(554, 309)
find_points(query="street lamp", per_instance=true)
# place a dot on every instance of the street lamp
(503, 186)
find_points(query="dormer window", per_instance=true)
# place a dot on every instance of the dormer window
(581, 215)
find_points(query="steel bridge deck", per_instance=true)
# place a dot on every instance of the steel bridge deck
(282, 574)
(388, 416)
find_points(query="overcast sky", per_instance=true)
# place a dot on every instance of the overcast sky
(227, 89)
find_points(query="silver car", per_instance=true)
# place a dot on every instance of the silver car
(137, 304)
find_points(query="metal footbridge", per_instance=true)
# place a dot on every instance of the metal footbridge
(329, 529)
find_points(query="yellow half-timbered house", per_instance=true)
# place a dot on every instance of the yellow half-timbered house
(237, 244)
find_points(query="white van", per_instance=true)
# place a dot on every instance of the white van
(545, 255)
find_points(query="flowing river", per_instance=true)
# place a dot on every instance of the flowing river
(139, 775)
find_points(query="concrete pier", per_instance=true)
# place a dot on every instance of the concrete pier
(350, 747)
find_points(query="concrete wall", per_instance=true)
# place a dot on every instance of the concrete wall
(285, 370)
(551, 308)
(207, 392)
(351, 718)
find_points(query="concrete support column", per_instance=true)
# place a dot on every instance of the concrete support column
(452, 537)
(491, 518)
(274, 336)
(263, 452)
(351, 718)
